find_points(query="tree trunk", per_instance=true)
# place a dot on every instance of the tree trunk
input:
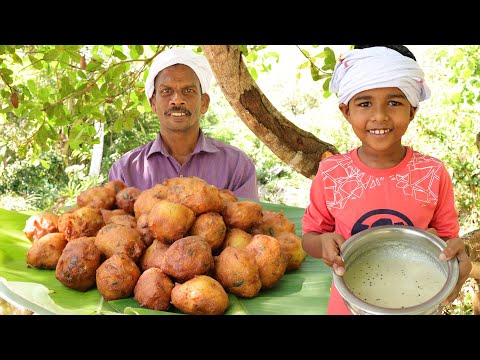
(299, 149)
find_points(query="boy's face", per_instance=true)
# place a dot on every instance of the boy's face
(379, 117)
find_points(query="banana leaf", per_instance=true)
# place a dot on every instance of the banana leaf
(301, 292)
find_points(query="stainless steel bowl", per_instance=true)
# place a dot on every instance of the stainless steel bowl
(398, 242)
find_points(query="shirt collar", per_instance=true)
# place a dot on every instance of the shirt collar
(204, 144)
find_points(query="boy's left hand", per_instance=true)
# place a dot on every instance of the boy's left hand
(456, 247)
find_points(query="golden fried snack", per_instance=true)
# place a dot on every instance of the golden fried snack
(78, 263)
(148, 198)
(153, 255)
(194, 193)
(127, 220)
(144, 230)
(188, 257)
(117, 277)
(242, 214)
(202, 295)
(153, 290)
(238, 272)
(125, 198)
(269, 257)
(120, 239)
(211, 227)
(273, 223)
(291, 245)
(41, 224)
(227, 196)
(45, 252)
(85, 221)
(115, 185)
(169, 221)
(107, 214)
(237, 238)
(98, 197)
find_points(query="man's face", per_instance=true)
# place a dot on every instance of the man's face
(177, 99)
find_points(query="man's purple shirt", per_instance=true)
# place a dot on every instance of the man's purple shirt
(218, 163)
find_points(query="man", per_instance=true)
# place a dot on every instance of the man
(176, 87)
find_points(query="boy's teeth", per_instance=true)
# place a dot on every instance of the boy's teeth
(379, 132)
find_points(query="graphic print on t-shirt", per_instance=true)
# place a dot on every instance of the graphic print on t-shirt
(374, 218)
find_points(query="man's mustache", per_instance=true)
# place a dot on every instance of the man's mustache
(176, 109)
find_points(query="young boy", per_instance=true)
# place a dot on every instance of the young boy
(381, 182)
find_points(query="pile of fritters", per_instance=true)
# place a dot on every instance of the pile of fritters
(182, 244)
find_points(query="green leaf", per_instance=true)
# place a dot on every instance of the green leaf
(457, 98)
(36, 63)
(243, 49)
(254, 73)
(304, 65)
(117, 72)
(17, 59)
(303, 291)
(32, 86)
(119, 54)
(117, 126)
(45, 164)
(139, 49)
(133, 53)
(51, 55)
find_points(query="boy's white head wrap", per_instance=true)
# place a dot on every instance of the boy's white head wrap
(197, 63)
(377, 67)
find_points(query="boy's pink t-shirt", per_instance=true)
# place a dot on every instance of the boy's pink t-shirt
(347, 197)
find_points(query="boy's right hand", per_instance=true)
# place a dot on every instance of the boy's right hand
(325, 246)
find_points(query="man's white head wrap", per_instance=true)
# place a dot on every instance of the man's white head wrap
(197, 63)
(378, 67)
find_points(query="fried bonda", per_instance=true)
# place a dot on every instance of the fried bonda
(115, 185)
(45, 252)
(98, 197)
(237, 271)
(125, 198)
(153, 290)
(202, 295)
(148, 198)
(237, 238)
(194, 193)
(127, 220)
(273, 223)
(107, 214)
(242, 214)
(269, 257)
(169, 221)
(41, 224)
(144, 230)
(78, 263)
(227, 196)
(120, 239)
(211, 227)
(116, 277)
(153, 255)
(188, 257)
(79, 222)
(291, 245)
